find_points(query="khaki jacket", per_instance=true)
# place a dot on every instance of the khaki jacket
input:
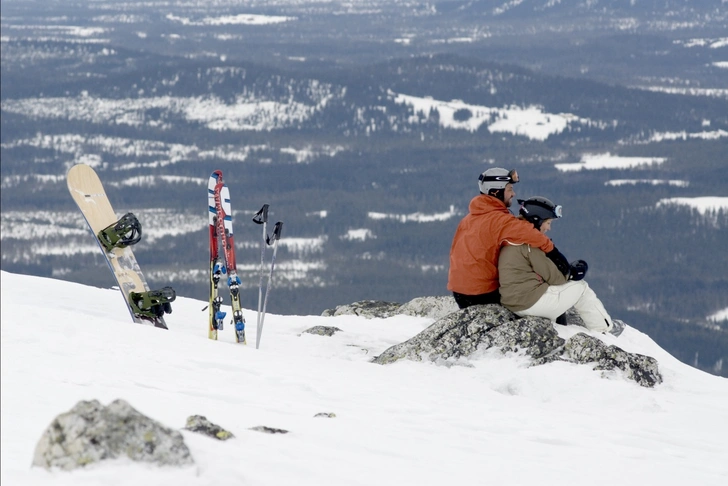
(477, 242)
(524, 274)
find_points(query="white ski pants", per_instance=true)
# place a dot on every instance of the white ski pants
(560, 298)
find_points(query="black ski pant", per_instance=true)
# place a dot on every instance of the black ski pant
(464, 301)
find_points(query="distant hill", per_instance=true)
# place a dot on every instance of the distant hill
(369, 165)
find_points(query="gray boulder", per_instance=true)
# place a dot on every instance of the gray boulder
(432, 307)
(322, 330)
(268, 430)
(365, 308)
(585, 349)
(462, 333)
(200, 424)
(325, 414)
(90, 432)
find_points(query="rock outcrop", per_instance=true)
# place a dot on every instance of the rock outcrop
(432, 307)
(322, 330)
(586, 349)
(461, 333)
(268, 430)
(365, 308)
(325, 415)
(200, 424)
(90, 432)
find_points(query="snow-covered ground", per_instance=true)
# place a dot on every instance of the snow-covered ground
(531, 122)
(721, 315)
(497, 422)
(703, 205)
(608, 161)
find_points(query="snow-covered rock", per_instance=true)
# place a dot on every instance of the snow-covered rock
(432, 307)
(365, 308)
(460, 334)
(322, 330)
(200, 424)
(586, 349)
(90, 432)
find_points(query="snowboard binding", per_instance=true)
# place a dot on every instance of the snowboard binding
(127, 231)
(152, 304)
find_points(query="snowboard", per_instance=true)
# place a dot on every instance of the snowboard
(89, 194)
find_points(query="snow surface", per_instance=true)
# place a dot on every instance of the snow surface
(531, 122)
(713, 43)
(416, 217)
(653, 182)
(497, 422)
(712, 135)
(608, 161)
(239, 19)
(721, 315)
(210, 111)
(713, 92)
(703, 205)
(359, 234)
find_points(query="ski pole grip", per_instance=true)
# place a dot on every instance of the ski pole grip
(276, 232)
(262, 215)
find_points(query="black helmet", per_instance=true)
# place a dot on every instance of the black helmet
(538, 209)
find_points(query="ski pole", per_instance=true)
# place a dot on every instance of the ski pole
(261, 217)
(276, 236)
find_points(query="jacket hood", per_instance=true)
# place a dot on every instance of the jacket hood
(485, 204)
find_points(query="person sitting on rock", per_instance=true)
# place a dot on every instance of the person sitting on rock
(532, 285)
(473, 273)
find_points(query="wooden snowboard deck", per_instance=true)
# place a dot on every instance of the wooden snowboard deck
(88, 192)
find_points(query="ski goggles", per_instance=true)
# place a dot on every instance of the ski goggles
(511, 177)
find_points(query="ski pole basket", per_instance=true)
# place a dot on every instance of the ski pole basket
(153, 303)
(127, 231)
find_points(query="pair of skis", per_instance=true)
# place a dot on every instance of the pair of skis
(220, 218)
(223, 262)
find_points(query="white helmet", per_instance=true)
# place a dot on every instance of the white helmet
(496, 178)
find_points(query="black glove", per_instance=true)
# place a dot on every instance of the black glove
(559, 260)
(578, 270)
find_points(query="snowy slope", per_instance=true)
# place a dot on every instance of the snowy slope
(409, 423)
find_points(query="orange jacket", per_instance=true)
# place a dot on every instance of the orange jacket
(477, 243)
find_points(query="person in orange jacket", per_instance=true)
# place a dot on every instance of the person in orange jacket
(473, 274)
